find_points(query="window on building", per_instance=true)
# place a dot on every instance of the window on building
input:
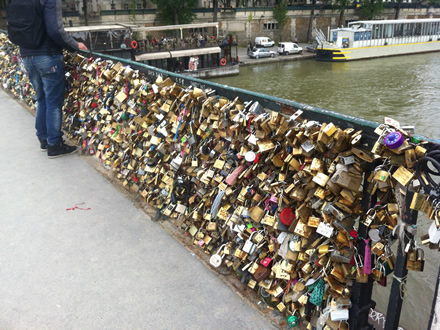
(198, 30)
(138, 6)
(270, 26)
(126, 6)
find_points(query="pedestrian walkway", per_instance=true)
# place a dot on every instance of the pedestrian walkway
(102, 264)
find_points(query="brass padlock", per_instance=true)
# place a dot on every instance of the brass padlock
(337, 272)
(361, 277)
(378, 248)
(418, 264)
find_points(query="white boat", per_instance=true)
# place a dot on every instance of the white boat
(369, 39)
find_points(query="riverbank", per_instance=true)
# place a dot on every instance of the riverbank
(244, 59)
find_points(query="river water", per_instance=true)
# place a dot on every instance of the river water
(406, 88)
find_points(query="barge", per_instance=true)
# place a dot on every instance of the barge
(380, 38)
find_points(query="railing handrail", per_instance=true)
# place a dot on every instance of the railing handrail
(273, 103)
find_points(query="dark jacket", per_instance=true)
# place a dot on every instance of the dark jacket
(55, 39)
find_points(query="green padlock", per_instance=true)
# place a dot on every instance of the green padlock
(292, 321)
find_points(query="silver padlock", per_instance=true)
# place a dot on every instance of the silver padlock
(249, 246)
(176, 162)
(192, 140)
(216, 259)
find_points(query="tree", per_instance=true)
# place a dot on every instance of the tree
(133, 11)
(214, 10)
(176, 11)
(312, 18)
(396, 16)
(280, 15)
(85, 9)
(340, 6)
(371, 8)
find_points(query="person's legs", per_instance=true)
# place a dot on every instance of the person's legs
(51, 70)
(47, 76)
(37, 84)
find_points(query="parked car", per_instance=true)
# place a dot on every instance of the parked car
(264, 42)
(286, 48)
(260, 52)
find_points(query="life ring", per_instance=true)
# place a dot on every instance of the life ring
(134, 44)
(223, 61)
(192, 66)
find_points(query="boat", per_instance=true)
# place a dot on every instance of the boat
(188, 55)
(187, 52)
(379, 38)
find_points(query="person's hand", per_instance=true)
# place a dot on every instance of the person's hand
(82, 46)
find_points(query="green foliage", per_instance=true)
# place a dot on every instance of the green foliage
(250, 18)
(133, 11)
(434, 2)
(340, 5)
(280, 13)
(176, 11)
(371, 8)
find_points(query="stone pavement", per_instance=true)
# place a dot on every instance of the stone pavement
(105, 266)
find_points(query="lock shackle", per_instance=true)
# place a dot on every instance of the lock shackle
(220, 248)
(370, 210)
(250, 237)
(261, 244)
(357, 259)
(382, 269)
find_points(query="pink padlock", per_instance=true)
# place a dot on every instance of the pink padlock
(266, 262)
(273, 199)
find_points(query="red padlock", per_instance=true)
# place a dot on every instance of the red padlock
(266, 262)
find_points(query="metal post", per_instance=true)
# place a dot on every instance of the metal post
(361, 292)
(395, 302)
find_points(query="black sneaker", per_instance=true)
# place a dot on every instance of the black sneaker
(43, 145)
(60, 149)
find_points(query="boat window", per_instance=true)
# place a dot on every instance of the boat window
(418, 29)
(388, 30)
(398, 30)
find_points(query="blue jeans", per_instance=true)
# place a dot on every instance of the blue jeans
(46, 73)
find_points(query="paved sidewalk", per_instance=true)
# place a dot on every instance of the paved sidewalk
(109, 267)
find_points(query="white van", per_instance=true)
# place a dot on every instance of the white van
(263, 42)
(286, 48)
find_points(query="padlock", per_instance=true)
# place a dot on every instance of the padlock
(176, 162)
(376, 273)
(257, 213)
(378, 248)
(295, 244)
(416, 260)
(216, 259)
(361, 277)
(342, 255)
(299, 286)
(337, 272)
(249, 246)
